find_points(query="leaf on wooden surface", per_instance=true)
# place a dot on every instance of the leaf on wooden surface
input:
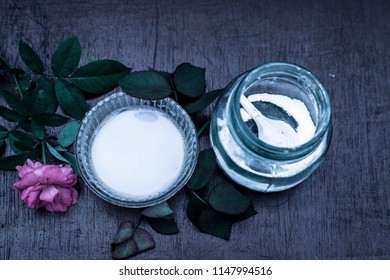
(42, 98)
(71, 99)
(203, 101)
(204, 169)
(66, 57)
(215, 223)
(157, 211)
(49, 119)
(190, 80)
(30, 58)
(15, 103)
(124, 250)
(124, 232)
(165, 225)
(56, 154)
(143, 239)
(226, 199)
(68, 134)
(99, 76)
(145, 85)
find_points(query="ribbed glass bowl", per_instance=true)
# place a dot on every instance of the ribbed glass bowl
(112, 105)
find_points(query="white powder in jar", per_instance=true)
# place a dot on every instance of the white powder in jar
(293, 107)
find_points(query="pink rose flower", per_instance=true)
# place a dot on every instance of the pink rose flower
(49, 186)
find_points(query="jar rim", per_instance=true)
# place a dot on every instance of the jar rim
(256, 144)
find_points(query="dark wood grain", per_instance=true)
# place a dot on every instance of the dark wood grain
(342, 211)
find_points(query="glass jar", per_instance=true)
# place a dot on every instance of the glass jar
(259, 165)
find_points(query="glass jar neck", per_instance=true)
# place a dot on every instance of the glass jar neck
(303, 79)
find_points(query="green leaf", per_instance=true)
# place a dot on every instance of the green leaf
(66, 57)
(99, 76)
(143, 240)
(205, 100)
(68, 134)
(157, 211)
(124, 250)
(15, 103)
(190, 80)
(71, 99)
(72, 159)
(165, 75)
(48, 119)
(226, 199)
(21, 142)
(204, 170)
(11, 115)
(1, 143)
(3, 132)
(30, 58)
(125, 232)
(146, 85)
(215, 223)
(195, 207)
(56, 154)
(37, 129)
(247, 214)
(10, 162)
(15, 71)
(26, 83)
(42, 98)
(165, 225)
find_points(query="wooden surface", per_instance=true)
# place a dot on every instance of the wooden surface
(342, 211)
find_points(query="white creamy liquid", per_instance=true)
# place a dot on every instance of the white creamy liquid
(138, 152)
(296, 109)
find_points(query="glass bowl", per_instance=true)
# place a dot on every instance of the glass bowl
(109, 107)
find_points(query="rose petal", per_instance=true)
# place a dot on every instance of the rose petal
(49, 194)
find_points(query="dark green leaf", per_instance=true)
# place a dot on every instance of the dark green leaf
(205, 100)
(195, 207)
(190, 80)
(66, 57)
(25, 125)
(165, 75)
(15, 71)
(247, 214)
(157, 211)
(124, 250)
(15, 103)
(48, 119)
(204, 169)
(1, 143)
(56, 154)
(125, 232)
(42, 98)
(30, 58)
(72, 159)
(21, 142)
(143, 240)
(225, 198)
(71, 99)
(3, 132)
(11, 115)
(10, 162)
(165, 225)
(215, 223)
(26, 83)
(146, 85)
(59, 148)
(37, 129)
(99, 76)
(68, 134)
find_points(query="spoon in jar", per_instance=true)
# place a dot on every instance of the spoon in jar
(274, 132)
